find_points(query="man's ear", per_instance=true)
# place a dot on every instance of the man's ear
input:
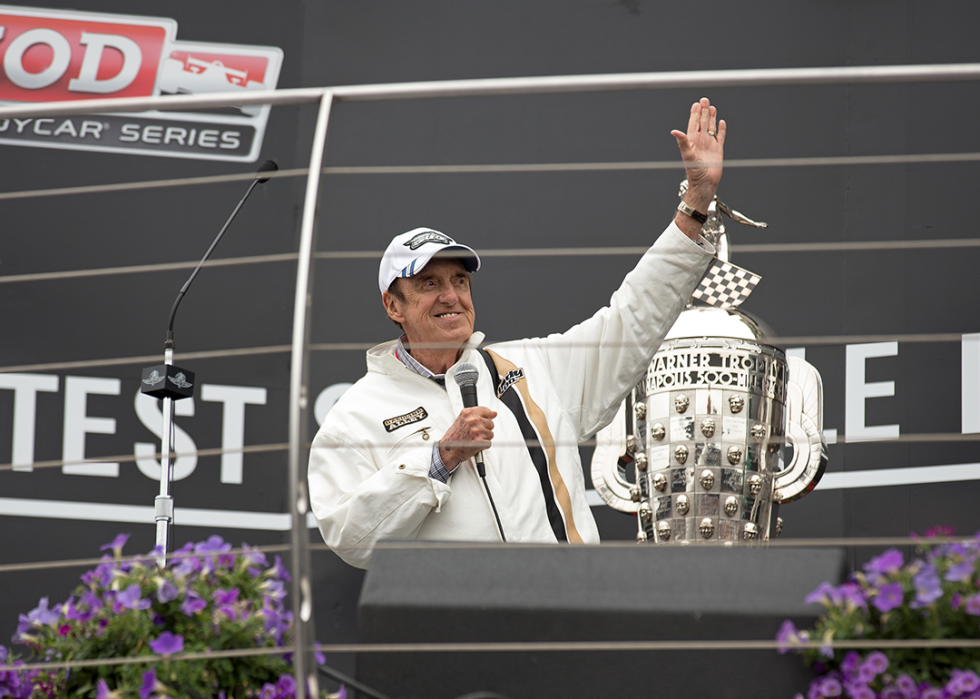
(392, 306)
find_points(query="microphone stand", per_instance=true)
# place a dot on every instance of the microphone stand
(171, 383)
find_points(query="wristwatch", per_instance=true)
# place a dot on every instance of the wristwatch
(689, 210)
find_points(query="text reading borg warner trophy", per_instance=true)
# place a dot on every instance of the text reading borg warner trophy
(697, 449)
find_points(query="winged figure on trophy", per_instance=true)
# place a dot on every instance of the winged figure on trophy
(700, 449)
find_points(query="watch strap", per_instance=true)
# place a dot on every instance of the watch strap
(689, 210)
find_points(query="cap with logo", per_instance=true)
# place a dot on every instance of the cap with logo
(409, 252)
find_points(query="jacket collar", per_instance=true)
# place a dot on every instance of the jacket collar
(381, 358)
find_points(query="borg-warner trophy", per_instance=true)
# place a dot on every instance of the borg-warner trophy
(697, 450)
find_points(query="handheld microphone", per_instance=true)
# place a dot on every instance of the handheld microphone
(466, 376)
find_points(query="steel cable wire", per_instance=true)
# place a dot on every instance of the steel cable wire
(909, 438)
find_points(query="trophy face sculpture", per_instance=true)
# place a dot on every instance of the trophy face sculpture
(696, 451)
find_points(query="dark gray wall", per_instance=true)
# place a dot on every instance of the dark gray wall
(332, 43)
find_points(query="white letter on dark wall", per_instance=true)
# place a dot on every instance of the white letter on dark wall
(25, 388)
(235, 398)
(328, 396)
(78, 424)
(857, 391)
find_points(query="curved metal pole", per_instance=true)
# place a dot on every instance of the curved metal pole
(302, 584)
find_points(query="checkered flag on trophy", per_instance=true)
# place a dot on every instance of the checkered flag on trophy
(725, 285)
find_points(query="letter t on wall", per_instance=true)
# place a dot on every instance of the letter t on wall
(857, 391)
(235, 399)
(25, 388)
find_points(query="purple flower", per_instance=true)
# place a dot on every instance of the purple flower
(225, 596)
(787, 637)
(102, 692)
(225, 601)
(973, 605)
(891, 692)
(193, 604)
(167, 644)
(859, 691)
(829, 687)
(149, 683)
(888, 597)
(286, 685)
(85, 608)
(38, 617)
(214, 544)
(188, 566)
(342, 694)
(101, 576)
(824, 594)
(960, 572)
(167, 591)
(278, 571)
(852, 593)
(130, 598)
(116, 545)
(268, 691)
(888, 562)
(271, 621)
(931, 693)
(906, 685)
(274, 590)
(877, 661)
(42, 615)
(928, 587)
(255, 560)
(851, 661)
(962, 682)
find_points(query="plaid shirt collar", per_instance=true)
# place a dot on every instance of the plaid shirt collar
(408, 360)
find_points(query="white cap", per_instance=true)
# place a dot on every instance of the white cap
(409, 252)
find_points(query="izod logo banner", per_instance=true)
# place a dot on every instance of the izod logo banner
(57, 55)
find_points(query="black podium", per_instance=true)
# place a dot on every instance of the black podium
(588, 593)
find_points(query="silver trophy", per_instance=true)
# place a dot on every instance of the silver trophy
(699, 450)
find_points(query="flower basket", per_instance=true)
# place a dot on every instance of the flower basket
(934, 596)
(206, 600)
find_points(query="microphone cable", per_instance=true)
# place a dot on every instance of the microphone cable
(482, 470)
(466, 376)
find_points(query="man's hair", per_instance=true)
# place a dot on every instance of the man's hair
(397, 293)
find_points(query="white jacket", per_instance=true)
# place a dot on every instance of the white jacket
(369, 463)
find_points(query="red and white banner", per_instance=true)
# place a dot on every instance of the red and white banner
(57, 55)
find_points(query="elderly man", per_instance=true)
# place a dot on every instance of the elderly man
(396, 457)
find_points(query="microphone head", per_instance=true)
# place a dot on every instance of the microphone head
(466, 374)
(267, 166)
